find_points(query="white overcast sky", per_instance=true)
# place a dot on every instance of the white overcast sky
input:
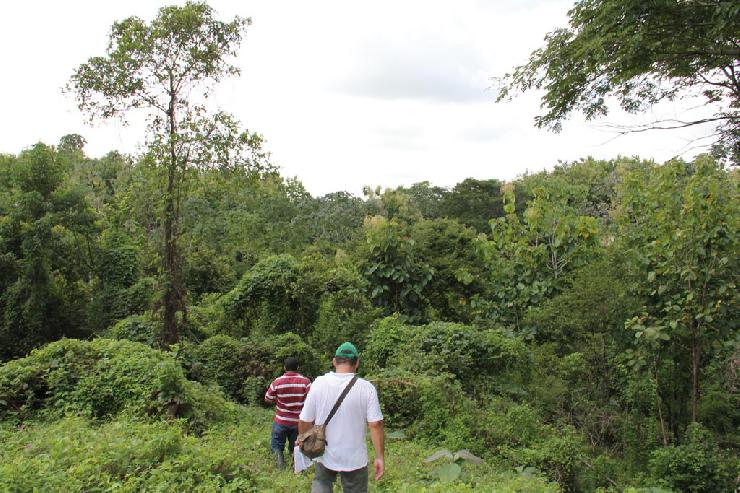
(346, 93)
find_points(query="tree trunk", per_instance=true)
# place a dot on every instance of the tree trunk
(171, 301)
(695, 365)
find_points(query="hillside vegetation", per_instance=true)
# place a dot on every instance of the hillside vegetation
(575, 328)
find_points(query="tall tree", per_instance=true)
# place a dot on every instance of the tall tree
(679, 225)
(639, 52)
(164, 67)
(46, 229)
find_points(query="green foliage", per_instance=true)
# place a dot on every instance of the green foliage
(639, 54)
(464, 351)
(450, 249)
(45, 233)
(244, 368)
(128, 455)
(342, 316)
(697, 465)
(432, 409)
(385, 340)
(334, 219)
(137, 328)
(468, 353)
(156, 66)
(450, 471)
(122, 290)
(474, 203)
(76, 455)
(678, 225)
(529, 259)
(395, 272)
(264, 299)
(206, 272)
(426, 198)
(595, 302)
(103, 379)
(222, 360)
(576, 328)
(518, 433)
(562, 391)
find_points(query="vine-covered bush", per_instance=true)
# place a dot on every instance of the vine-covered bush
(243, 368)
(467, 352)
(428, 407)
(224, 361)
(384, 342)
(263, 300)
(344, 313)
(121, 290)
(104, 378)
(137, 328)
(698, 465)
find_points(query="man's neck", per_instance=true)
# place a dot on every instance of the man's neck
(344, 369)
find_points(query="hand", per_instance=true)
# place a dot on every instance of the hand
(379, 468)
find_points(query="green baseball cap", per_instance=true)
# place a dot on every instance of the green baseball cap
(346, 350)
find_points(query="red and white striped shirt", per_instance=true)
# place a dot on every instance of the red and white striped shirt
(288, 392)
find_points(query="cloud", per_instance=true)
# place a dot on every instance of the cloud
(426, 68)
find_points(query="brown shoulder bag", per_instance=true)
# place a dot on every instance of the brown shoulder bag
(313, 442)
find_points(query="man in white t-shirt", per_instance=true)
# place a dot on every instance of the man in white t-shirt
(346, 448)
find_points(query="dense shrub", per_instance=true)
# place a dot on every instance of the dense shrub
(516, 432)
(449, 248)
(467, 352)
(559, 453)
(221, 360)
(244, 367)
(263, 300)
(209, 317)
(101, 379)
(317, 298)
(290, 344)
(698, 465)
(342, 316)
(120, 290)
(384, 341)
(137, 328)
(428, 407)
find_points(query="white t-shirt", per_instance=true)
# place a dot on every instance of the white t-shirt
(346, 447)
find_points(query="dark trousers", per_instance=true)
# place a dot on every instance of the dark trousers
(352, 481)
(282, 433)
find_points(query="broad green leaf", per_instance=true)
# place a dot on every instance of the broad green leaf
(447, 473)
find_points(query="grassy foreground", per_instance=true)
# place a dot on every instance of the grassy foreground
(128, 454)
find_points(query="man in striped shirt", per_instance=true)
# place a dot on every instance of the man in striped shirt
(287, 392)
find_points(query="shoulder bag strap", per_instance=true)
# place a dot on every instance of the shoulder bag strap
(341, 398)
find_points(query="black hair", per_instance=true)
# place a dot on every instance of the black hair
(341, 360)
(291, 363)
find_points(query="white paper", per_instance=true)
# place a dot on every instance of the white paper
(300, 461)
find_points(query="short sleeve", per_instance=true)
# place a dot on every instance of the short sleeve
(308, 413)
(270, 394)
(373, 406)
